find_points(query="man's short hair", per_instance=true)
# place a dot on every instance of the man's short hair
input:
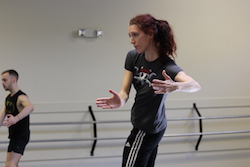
(12, 73)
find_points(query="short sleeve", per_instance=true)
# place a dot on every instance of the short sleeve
(172, 69)
(130, 60)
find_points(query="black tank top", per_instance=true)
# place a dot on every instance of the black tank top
(20, 130)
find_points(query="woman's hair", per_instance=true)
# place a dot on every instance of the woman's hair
(163, 34)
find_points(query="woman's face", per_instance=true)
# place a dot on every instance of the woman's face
(139, 39)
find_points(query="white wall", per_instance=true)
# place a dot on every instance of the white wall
(62, 72)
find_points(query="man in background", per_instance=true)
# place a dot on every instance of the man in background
(15, 115)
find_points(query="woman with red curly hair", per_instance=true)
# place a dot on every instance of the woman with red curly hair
(154, 74)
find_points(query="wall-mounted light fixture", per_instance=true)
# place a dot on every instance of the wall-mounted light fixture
(90, 33)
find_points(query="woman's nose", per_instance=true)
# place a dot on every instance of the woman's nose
(132, 40)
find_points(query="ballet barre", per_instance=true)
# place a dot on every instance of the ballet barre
(95, 123)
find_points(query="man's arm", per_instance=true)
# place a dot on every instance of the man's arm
(24, 106)
(2, 115)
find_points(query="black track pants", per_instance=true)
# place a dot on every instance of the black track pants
(140, 149)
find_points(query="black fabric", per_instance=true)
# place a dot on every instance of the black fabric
(17, 146)
(148, 111)
(141, 148)
(20, 130)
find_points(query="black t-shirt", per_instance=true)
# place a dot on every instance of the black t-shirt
(20, 130)
(148, 111)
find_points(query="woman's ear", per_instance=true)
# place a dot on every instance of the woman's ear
(151, 34)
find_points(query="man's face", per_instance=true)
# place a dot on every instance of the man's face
(7, 81)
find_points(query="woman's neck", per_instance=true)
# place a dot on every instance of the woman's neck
(151, 55)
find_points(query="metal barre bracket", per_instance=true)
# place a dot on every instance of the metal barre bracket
(200, 127)
(94, 131)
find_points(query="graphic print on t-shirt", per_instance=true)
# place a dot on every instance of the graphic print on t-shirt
(10, 107)
(144, 75)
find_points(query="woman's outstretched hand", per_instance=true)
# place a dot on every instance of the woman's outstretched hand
(166, 86)
(110, 102)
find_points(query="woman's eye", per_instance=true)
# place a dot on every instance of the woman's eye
(135, 35)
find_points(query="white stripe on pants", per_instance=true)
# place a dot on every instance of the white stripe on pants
(135, 149)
